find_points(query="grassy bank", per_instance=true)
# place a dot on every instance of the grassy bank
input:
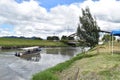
(100, 67)
(50, 74)
(90, 66)
(14, 42)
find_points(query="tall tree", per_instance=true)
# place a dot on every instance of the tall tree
(88, 30)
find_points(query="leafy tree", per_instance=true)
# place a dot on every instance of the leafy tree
(64, 38)
(52, 38)
(70, 38)
(37, 38)
(55, 38)
(49, 38)
(88, 30)
(107, 38)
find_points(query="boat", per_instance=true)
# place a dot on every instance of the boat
(28, 51)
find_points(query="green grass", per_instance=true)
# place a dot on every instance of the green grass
(50, 74)
(99, 67)
(93, 66)
(46, 75)
(112, 70)
(9, 42)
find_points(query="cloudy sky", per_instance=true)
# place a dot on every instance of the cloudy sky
(42, 18)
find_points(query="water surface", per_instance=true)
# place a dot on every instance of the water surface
(16, 68)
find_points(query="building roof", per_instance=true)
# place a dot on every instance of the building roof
(115, 32)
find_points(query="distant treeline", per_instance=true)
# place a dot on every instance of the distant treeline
(62, 38)
(38, 38)
(22, 37)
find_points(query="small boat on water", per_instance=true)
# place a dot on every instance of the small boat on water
(28, 51)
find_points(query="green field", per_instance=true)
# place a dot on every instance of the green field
(90, 66)
(16, 42)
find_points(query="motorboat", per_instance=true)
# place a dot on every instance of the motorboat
(28, 51)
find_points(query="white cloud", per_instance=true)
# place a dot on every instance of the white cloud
(107, 13)
(30, 19)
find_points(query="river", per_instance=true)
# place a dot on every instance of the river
(16, 68)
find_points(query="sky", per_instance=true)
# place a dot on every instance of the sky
(42, 18)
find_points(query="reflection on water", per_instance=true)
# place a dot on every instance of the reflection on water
(23, 68)
(69, 51)
(58, 51)
(32, 57)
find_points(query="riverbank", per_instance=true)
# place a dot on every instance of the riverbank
(13, 43)
(89, 66)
